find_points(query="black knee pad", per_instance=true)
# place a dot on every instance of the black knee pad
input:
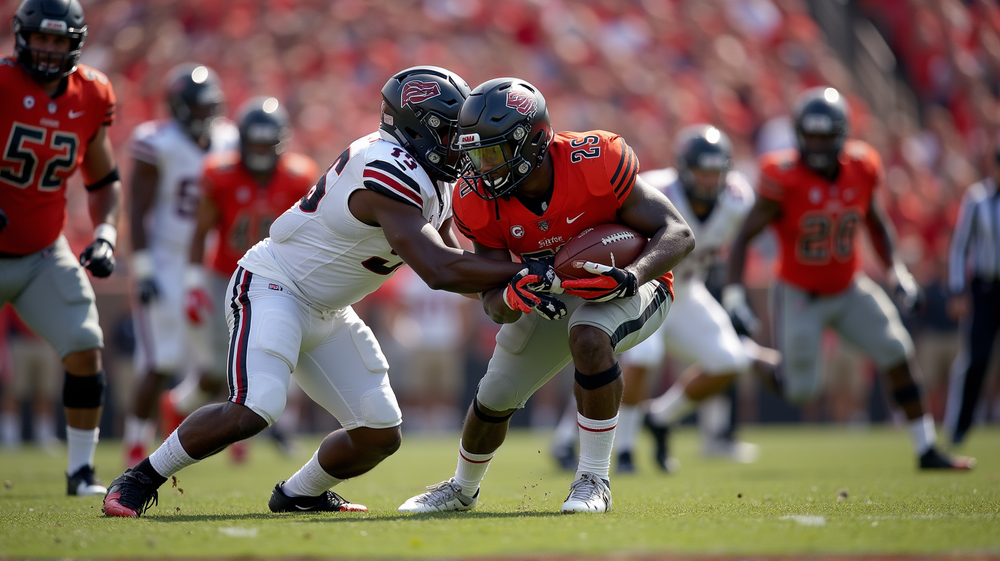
(599, 380)
(84, 392)
(487, 418)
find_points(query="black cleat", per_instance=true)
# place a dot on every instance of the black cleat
(932, 459)
(327, 502)
(661, 444)
(130, 494)
(84, 483)
(625, 464)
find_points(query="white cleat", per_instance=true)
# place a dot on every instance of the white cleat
(739, 452)
(443, 497)
(590, 493)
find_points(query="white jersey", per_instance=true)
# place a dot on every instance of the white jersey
(716, 232)
(165, 145)
(320, 251)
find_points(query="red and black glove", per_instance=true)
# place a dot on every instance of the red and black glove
(198, 305)
(523, 294)
(610, 283)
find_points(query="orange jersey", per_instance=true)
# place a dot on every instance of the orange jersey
(43, 142)
(594, 173)
(820, 218)
(246, 209)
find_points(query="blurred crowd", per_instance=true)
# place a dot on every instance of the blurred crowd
(641, 68)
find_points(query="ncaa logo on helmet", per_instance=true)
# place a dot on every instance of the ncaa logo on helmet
(523, 102)
(418, 91)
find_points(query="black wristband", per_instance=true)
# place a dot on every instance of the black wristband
(107, 180)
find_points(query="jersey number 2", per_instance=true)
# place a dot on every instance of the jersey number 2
(24, 160)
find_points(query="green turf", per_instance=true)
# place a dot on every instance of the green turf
(786, 503)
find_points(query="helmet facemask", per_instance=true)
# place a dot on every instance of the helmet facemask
(48, 66)
(496, 164)
(821, 123)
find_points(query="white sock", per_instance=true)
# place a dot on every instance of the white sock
(471, 469)
(10, 429)
(188, 395)
(170, 457)
(137, 431)
(713, 417)
(45, 430)
(597, 437)
(671, 406)
(82, 444)
(629, 422)
(922, 433)
(565, 433)
(311, 480)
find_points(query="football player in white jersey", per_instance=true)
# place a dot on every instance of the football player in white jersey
(384, 202)
(714, 200)
(165, 182)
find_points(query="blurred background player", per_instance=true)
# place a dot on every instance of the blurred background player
(975, 246)
(54, 120)
(815, 198)
(242, 193)
(523, 188)
(165, 192)
(714, 200)
(29, 371)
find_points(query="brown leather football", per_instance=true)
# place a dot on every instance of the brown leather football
(616, 245)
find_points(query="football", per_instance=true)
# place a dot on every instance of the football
(608, 244)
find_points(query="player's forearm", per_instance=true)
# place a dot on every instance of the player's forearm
(464, 272)
(105, 204)
(670, 245)
(496, 308)
(883, 242)
(737, 260)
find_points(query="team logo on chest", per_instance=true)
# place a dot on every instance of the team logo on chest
(517, 231)
(29, 102)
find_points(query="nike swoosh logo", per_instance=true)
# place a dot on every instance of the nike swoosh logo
(572, 220)
(74, 114)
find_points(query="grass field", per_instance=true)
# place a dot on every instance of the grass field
(785, 504)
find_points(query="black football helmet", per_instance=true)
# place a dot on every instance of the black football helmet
(702, 148)
(420, 110)
(820, 113)
(56, 17)
(195, 98)
(264, 133)
(504, 131)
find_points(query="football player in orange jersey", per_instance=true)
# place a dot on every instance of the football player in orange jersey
(815, 198)
(526, 193)
(242, 193)
(54, 120)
